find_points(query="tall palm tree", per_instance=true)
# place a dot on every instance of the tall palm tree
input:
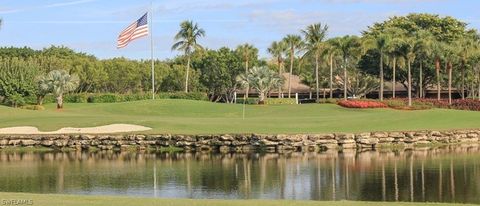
(187, 42)
(330, 51)
(277, 49)
(294, 42)
(381, 43)
(467, 44)
(423, 49)
(59, 82)
(314, 36)
(452, 53)
(438, 53)
(247, 52)
(408, 51)
(348, 47)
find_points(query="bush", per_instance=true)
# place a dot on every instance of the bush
(361, 104)
(182, 95)
(76, 98)
(249, 101)
(280, 101)
(33, 107)
(328, 101)
(105, 98)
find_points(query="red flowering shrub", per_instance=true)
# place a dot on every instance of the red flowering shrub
(361, 104)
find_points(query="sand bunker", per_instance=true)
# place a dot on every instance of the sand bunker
(112, 128)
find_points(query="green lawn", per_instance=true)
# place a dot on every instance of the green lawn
(74, 200)
(188, 117)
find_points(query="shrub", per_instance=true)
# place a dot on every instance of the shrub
(33, 107)
(328, 101)
(361, 104)
(183, 95)
(105, 98)
(280, 101)
(76, 98)
(249, 101)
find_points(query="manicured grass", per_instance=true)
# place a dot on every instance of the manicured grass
(199, 117)
(74, 200)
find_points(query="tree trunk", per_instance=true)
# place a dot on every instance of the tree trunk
(409, 84)
(449, 67)
(188, 69)
(261, 97)
(421, 79)
(437, 70)
(393, 79)
(246, 73)
(331, 76)
(316, 78)
(345, 80)
(290, 75)
(280, 75)
(463, 81)
(60, 101)
(380, 94)
(40, 100)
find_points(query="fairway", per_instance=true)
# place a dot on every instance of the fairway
(199, 117)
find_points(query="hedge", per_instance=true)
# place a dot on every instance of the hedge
(113, 97)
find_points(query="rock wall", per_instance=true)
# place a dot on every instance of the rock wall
(243, 142)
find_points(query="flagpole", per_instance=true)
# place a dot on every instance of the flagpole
(151, 50)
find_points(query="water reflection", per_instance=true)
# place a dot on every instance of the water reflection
(446, 174)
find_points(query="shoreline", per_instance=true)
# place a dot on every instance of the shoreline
(240, 143)
(69, 199)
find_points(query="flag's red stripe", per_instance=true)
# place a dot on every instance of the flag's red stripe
(131, 33)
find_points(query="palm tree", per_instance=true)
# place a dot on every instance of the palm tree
(408, 51)
(438, 49)
(423, 49)
(277, 49)
(467, 45)
(314, 36)
(247, 52)
(381, 43)
(261, 79)
(330, 51)
(187, 42)
(347, 46)
(59, 82)
(451, 54)
(294, 42)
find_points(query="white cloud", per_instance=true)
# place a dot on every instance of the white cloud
(52, 5)
(340, 23)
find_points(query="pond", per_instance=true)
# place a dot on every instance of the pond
(447, 174)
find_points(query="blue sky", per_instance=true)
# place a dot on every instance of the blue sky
(92, 26)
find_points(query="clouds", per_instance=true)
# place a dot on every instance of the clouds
(51, 5)
(291, 21)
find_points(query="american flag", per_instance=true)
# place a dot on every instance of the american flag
(136, 30)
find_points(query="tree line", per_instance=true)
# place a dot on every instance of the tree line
(418, 51)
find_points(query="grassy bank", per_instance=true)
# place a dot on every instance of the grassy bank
(199, 117)
(75, 200)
